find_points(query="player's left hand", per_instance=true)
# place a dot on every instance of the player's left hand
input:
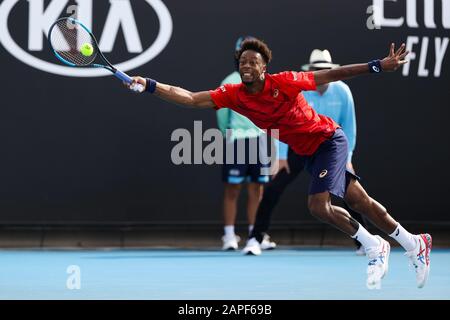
(395, 59)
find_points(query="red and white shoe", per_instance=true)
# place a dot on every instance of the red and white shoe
(419, 257)
(378, 263)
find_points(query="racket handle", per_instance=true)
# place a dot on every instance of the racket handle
(126, 78)
(123, 76)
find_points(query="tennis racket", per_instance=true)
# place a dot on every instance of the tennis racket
(67, 36)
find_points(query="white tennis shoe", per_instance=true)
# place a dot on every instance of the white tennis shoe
(378, 263)
(419, 257)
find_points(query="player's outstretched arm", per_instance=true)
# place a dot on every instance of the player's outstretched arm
(392, 62)
(176, 95)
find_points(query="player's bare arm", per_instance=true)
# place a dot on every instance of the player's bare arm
(179, 95)
(392, 62)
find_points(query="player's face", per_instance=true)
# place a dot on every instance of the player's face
(251, 66)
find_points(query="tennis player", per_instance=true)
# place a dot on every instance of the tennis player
(333, 100)
(275, 101)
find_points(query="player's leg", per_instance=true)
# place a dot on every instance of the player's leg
(329, 176)
(377, 249)
(320, 206)
(360, 251)
(418, 247)
(358, 200)
(328, 170)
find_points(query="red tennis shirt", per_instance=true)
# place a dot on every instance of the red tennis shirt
(280, 105)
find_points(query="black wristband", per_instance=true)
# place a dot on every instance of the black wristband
(375, 66)
(150, 86)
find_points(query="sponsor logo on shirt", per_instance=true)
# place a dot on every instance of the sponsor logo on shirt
(223, 88)
(275, 93)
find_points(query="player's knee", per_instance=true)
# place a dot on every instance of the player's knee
(352, 204)
(379, 209)
(319, 209)
(361, 204)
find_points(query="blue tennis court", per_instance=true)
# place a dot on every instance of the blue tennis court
(179, 274)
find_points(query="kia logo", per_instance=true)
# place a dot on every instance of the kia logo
(120, 15)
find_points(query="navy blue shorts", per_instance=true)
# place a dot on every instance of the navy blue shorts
(328, 166)
(249, 164)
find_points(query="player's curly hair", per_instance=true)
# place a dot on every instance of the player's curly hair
(258, 46)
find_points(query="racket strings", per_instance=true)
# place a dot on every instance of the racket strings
(67, 38)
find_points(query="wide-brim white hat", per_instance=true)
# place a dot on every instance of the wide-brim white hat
(320, 59)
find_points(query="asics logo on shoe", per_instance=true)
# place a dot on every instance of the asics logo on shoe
(420, 255)
(382, 254)
(380, 257)
(397, 233)
(421, 259)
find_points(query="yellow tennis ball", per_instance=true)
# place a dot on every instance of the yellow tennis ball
(87, 49)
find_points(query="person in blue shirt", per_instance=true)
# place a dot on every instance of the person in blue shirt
(334, 100)
(239, 130)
